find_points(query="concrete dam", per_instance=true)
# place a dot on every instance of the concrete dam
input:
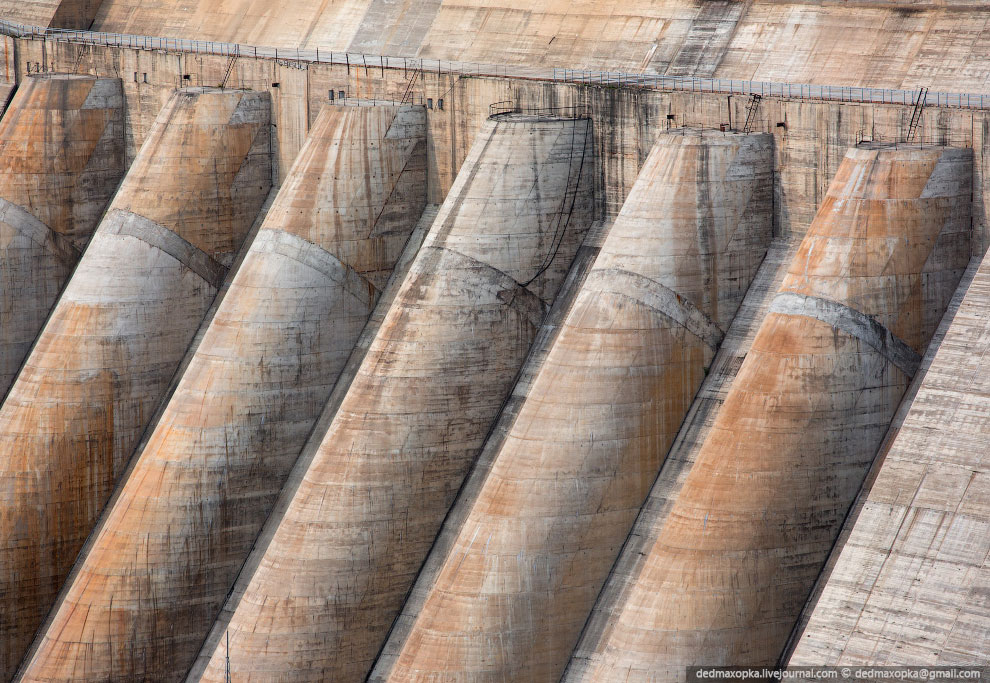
(466, 342)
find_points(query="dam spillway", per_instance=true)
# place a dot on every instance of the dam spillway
(116, 336)
(789, 450)
(371, 499)
(909, 579)
(542, 533)
(266, 377)
(61, 159)
(141, 602)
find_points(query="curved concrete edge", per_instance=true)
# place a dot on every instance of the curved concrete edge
(217, 632)
(853, 323)
(513, 238)
(25, 223)
(127, 223)
(659, 298)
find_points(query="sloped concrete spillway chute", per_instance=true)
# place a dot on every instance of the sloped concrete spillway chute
(116, 336)
(61, 160)
(736, 557)
(367, 503)
(147, 591)
(909, 584)
(540, 536)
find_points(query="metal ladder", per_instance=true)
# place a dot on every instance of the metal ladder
(919, 104)
(408, 94)
(751, 109)
(230, 69)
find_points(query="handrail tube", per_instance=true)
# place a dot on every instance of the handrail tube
(556, 74)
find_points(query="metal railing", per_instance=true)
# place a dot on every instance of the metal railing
(806, 91)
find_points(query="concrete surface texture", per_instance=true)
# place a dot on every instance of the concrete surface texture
(116, 336)
(61, 160)
(909, 583)
(752, 525)
(677, 465)
(8, 80)
(365, 506)
(141, 603)
(541, 535)
(868, 43)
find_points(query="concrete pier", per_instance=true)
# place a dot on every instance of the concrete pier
(909, 584)
(540, 536)
(248, 399)
(737, 555)
(365, 506)
(116, 336)
(61, 160)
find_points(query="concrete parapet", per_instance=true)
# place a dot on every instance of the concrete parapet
(366, 504)
(61, 159)
(116, 336)
(540, 536)
(142, 601)
(739, 551)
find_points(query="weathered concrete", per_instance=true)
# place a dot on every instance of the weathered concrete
(78, 14)
(756, 517)
(367, 504)
(808, 147)
(867, 43)
(909, 583)
(8, 77)
(116, 336)
(141, 603)
(680, 458)
(61, 159)
(543, 531)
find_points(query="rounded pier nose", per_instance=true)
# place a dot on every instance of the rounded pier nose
(61, 159)
(372, 497)
(539, 538)
(219, 455)
(738, 554)
(116, 336)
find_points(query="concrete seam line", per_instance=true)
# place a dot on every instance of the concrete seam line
(289, 245)
(660, 298)
(852, 322)
(126, 223)
(35, 230)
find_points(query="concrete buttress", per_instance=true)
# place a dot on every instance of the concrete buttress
(61, 160)
(120, 328)
(366, 505)
(201, 488)
(736, 557)
(541, 535)
(910, 575)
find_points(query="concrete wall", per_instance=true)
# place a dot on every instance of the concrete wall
(8, 78)
(119, 330)
(737, 554)
(808, 149)
(366, 506)
(908, 585)
(249, 397)
(904, 43)
(61, 159)
(545, 528)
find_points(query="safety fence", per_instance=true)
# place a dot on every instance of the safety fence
(558, 75)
